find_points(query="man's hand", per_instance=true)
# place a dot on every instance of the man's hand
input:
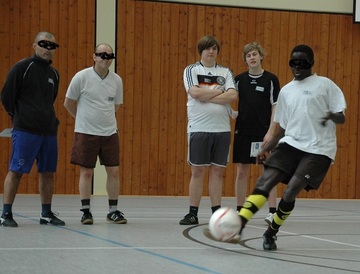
(262, 156)
(337, 118)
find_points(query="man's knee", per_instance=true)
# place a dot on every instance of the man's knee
(270, 178)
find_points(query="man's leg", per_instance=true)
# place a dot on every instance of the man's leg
(11, 186)
(85, 183)
(286, 205)
(272, 198)
(195, 194)
(46, 189)
(113, 187)
(258, 198)
(272, 205)
(113, 182)
(241, 183)
(215, 186)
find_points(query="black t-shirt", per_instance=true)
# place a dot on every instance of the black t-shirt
(257, 94)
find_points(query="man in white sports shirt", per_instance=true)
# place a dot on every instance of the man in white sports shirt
(93, 97)
(304, 143)
(210, 88)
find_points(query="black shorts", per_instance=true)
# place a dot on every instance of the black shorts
(87, 148)
(312, 168)
(242, 148)
(208, 148)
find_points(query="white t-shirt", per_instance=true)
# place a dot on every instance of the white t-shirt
(96, 99)
(300, 107)
(203, 116)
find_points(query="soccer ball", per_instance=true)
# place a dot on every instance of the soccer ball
(224, 224)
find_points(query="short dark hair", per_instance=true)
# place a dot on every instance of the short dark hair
(305, 49)
(206, 42)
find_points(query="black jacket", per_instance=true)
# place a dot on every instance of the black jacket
(28, 96)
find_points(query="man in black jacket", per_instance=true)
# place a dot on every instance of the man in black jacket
(28, 96)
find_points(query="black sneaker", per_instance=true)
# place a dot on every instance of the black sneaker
(117, 217)
(51, 219)
(87, 219)
(189, 219)
(7, 220)
(269, 242)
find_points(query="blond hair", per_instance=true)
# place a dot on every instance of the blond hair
(251, 47)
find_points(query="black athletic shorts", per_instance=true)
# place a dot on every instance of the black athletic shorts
(208, 148)
(310, 167)
(242, 147)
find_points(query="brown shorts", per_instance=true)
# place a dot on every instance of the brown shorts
(87, 147)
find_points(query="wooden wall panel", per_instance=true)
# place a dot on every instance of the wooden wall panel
(155, 42)
(174, 30)
(126, 59)
(353, 116)
(73, 24)
(154, 106)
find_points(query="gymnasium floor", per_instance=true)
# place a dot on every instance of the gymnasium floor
(321, 236)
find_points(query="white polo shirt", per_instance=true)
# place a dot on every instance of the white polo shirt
(96, 99)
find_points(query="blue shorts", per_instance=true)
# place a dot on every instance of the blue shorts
(27, 147)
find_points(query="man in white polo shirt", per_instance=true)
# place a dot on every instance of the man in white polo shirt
(93, 97)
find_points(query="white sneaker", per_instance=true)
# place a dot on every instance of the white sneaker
(269, 218)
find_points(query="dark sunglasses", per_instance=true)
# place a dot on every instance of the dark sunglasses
(47, 44)
(299, 63)
(105, 56)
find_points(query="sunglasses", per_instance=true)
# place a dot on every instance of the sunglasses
(105, 56)
(47, 44)
(299, 63)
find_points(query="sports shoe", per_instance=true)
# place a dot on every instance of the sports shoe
(233, 240)
(7, 220)
(189, 219)
(269, 218)
(117, 217)
(269, 242)
(51, 219)
(87, 219)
